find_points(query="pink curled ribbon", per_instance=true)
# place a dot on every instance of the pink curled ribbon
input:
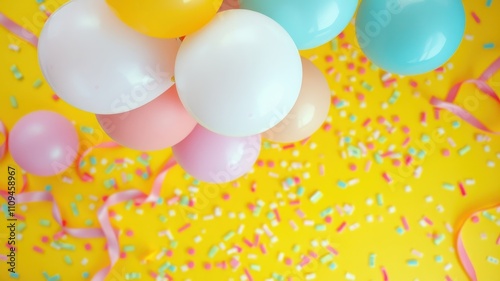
(3, 146)
(117, 198)
(482, 84)
(106, 229)
(462, 252)
(18, 30)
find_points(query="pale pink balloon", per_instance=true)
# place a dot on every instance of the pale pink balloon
(43, 143)
(214, 158)
(157, 125)
(310, 110)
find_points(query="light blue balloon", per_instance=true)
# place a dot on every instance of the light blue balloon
(410, 37)
(310, 23)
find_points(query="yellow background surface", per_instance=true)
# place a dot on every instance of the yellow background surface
(370, 225)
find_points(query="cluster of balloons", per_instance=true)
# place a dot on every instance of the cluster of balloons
(235, 74)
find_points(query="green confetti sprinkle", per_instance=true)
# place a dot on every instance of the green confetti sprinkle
(37, 83)
(213, 251)
(13, 102)
(462, 151)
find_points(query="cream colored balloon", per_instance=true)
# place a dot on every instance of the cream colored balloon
(310, 110)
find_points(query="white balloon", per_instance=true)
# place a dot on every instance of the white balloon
(239, 75)
(96, 63)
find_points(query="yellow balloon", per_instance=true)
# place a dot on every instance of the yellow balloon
(165, 18)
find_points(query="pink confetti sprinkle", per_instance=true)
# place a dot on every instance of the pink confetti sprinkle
(226, 196)
(321, 169)
(221, 265)
(462, 189)
(253, 187)
(405, 223)
(88, 247)
(129, 232)
(341, 227)
(384, 274)
(305, 261)
(408, 160)
(263, 248)
(389, 82)
(387, 178)
(353, 167)
(406, 130)
(38, 249)
(498, 239)
(327, 127)
(423, 118)
(361, 70)
(173, 200)
(55, 97)
(295, 202)
(446, 152)
(387, 154)
(368, 165)
(330, 70)
(395, 118)
(123, 255)
(360, 97)
(184, 227)
(288, 261)
(191, 251)
(45, 239)
(367, 122)
(381, 120)
(270, 164)
(277, 214)
(328, 58)
(413, 83)
(288, 146)
(370, 145)
(247, 273)
(346, 46)
(256, 239)
(260, 163)
(190, 264)
(476, 18)
(153, 274)
(349, 89)
(363, 60)
(439, 69)
(300, 213)
(207, 266)
(437, 114)
(428, 221)
(170, 253)
(332, 250)
(58, 235)
(448, 278)
(474, 219)
(341, 35)
(234, 263)
(396, 162)
(248, 243)
(313, 254)
(239, 249)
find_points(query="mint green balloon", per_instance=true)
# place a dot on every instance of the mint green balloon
(410, 37)
(310, 23)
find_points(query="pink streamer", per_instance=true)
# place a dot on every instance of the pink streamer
(106, 229)
(3, 146)
(481, 84)
(18, 30)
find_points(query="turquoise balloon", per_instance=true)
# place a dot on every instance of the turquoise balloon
(410, 37)
(310, 23)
